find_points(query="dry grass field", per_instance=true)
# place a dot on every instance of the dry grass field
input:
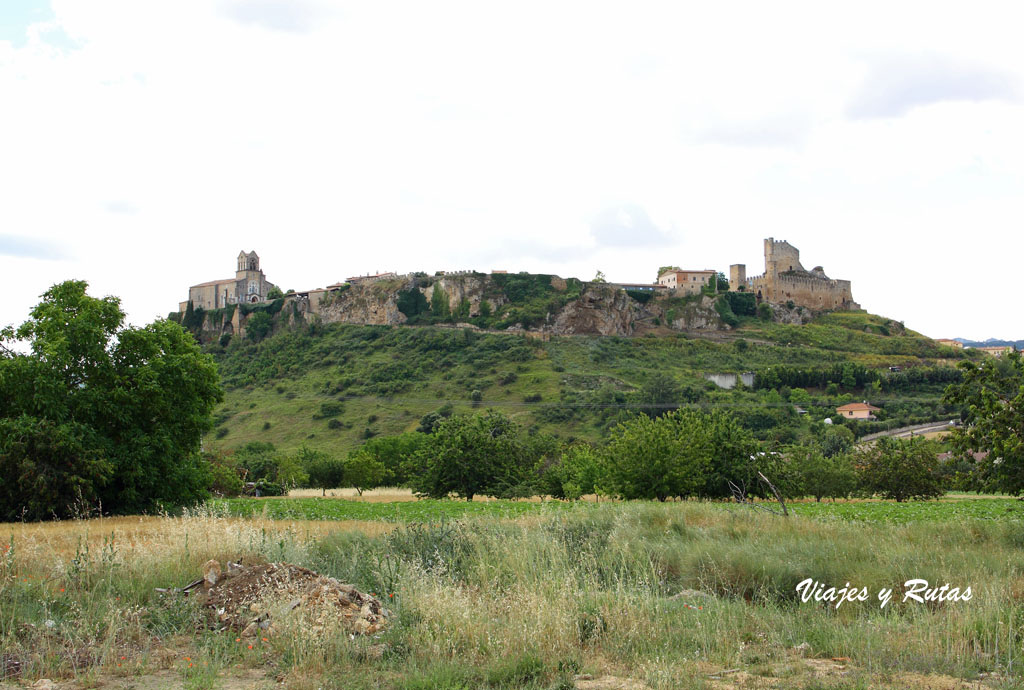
(621, 595)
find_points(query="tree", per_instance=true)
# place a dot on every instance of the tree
(363, 471)
(258, 325)
(439, 305)
(324, 471)
(469, 455)
(599, 278)
(991, 396)
(257, 460)
(823, 476)
(112, 414)
(575, 473)
(836, 441)
(658, 458)
(660, 394)
(732, 455)
(396, 454)
(275, 293)
(900, 470)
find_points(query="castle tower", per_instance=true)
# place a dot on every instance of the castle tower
(737, 276)
(780, 257)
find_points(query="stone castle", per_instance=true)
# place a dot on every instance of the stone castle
(248, 286)
(602, 308)
(786, 280)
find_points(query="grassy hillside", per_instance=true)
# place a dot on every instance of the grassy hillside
(332, 386)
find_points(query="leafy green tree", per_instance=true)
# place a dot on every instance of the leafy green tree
(899, 469)
(991, 396)
(275, 293)
(764, 311)
(574, 473)
(225, 480)
(439, 305)
(258, 325)
(397, 455)
(732, 454)
(363, 471)
(658, 458)
(470, 455)
(660, 394)
(599, 278)
(257, 460)
(823, 476)
(323, 470)
(119, 412)
(836, 440)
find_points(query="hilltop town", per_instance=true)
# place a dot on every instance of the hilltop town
(680, 299)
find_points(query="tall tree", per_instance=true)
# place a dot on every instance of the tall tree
(470, 455)
(991, 396)
(118, 412)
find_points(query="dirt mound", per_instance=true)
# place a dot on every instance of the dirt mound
(257, 599)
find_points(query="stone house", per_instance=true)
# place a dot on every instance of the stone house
(687, 282)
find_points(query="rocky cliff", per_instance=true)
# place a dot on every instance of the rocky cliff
(543, 305)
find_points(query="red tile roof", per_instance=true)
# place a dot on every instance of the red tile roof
(854, 407)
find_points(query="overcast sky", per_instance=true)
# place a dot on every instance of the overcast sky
(143, 144)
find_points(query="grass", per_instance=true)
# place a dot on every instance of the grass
(662, 594)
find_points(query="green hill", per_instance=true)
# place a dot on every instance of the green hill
(332, 386)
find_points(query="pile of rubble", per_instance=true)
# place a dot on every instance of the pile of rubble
(257, 599)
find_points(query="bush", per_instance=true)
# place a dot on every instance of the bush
(265, 487)
(331, 408)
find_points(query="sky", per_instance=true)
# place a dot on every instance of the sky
(143, 144)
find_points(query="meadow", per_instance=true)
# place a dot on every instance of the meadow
(530, 594)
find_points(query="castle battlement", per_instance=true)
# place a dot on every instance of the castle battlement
(786, 280)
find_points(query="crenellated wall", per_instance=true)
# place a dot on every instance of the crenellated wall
(785, 279)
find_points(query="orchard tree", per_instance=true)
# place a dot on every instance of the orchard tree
(363, 471)
(658, 458)
(469, 455)
(899, 469)
(991, 396)
(324, 471)
(823, 476)
(96, 413)
(575, 472)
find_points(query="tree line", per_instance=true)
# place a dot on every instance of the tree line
(100, 416)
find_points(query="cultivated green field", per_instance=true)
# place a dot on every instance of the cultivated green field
(425, 510)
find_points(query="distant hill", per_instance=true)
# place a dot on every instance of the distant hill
(992, 342)
(332, 385)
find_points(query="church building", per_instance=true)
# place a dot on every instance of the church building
(249, 286)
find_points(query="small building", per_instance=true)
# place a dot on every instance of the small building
(687, 282)
(995, 350)
(249, 286)
(858, 410)
(949, 342)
